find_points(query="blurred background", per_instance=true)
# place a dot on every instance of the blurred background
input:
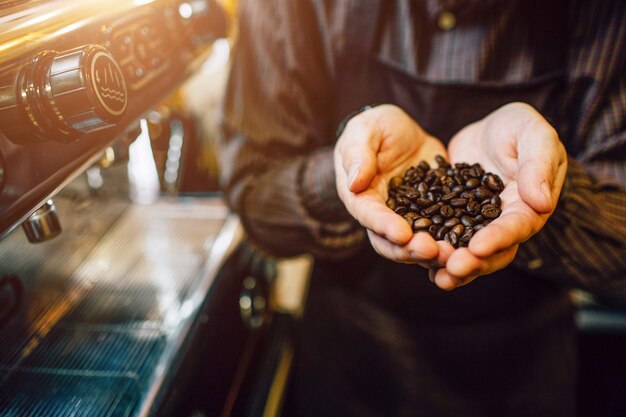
(127, 288)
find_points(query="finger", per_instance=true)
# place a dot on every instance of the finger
(539, 156)
(444, 280)
(516, 225)
(445, 250)
(421, 248)
(359, 145)
(370, 211)
(463, 264)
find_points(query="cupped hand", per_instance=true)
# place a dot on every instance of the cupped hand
(519, 145)
(375, 146)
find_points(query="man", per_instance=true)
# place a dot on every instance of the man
(534, 92)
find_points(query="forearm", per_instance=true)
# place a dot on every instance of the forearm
(584, 242)
(293, 208)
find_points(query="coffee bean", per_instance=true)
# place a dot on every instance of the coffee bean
(446, 211)
(449, 196)
(395, 182)
(452, 239)
(458, 230)
(432, 196)
(451, 222)
(472, 183)
(493, 182)
(422, 223)
(439, 234)
(423, 202)
(450, 202)
(430, 210)
(411, 215)
(490, 211)
(412, 193)
(472, 207)
(458, 189)
(458, 202)
(467, 195)
(422, 187)
(482, 193)
(467, 221)
(467, 235)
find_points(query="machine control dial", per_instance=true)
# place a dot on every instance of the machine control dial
(60, 96)
(86, 89)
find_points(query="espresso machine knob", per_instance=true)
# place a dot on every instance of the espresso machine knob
(86, 89)
(61, 96)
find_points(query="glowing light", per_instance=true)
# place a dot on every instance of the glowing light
(218, 58)
(185, 10)
(142, 172)
(67, 29)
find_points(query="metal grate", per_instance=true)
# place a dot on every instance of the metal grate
(100, 317)
(44, 394)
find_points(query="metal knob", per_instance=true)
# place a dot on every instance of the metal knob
(43, 224)
(60, 96)
(86, 89)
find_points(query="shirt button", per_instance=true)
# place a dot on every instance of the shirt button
(446, 21)
(535, 264)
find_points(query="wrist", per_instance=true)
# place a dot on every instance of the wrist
(319, 189)
(345, 120)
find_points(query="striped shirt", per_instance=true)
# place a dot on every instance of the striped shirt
(279, 122)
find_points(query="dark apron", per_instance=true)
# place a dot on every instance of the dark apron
(379, 339)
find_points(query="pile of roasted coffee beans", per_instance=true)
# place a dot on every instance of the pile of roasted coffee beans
(451, 203)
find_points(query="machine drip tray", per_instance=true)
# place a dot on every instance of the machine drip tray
(108, 305)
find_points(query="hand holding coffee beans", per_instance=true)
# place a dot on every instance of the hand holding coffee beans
(450, 203)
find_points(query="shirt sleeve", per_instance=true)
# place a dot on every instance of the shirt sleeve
(584, 242)
(277, 152)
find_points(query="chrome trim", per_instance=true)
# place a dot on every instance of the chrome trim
(230, 235)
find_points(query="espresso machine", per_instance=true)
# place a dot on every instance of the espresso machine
(119, 296)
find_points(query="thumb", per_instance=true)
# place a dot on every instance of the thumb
(538, 158)
(535, 185)
(360, 144)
